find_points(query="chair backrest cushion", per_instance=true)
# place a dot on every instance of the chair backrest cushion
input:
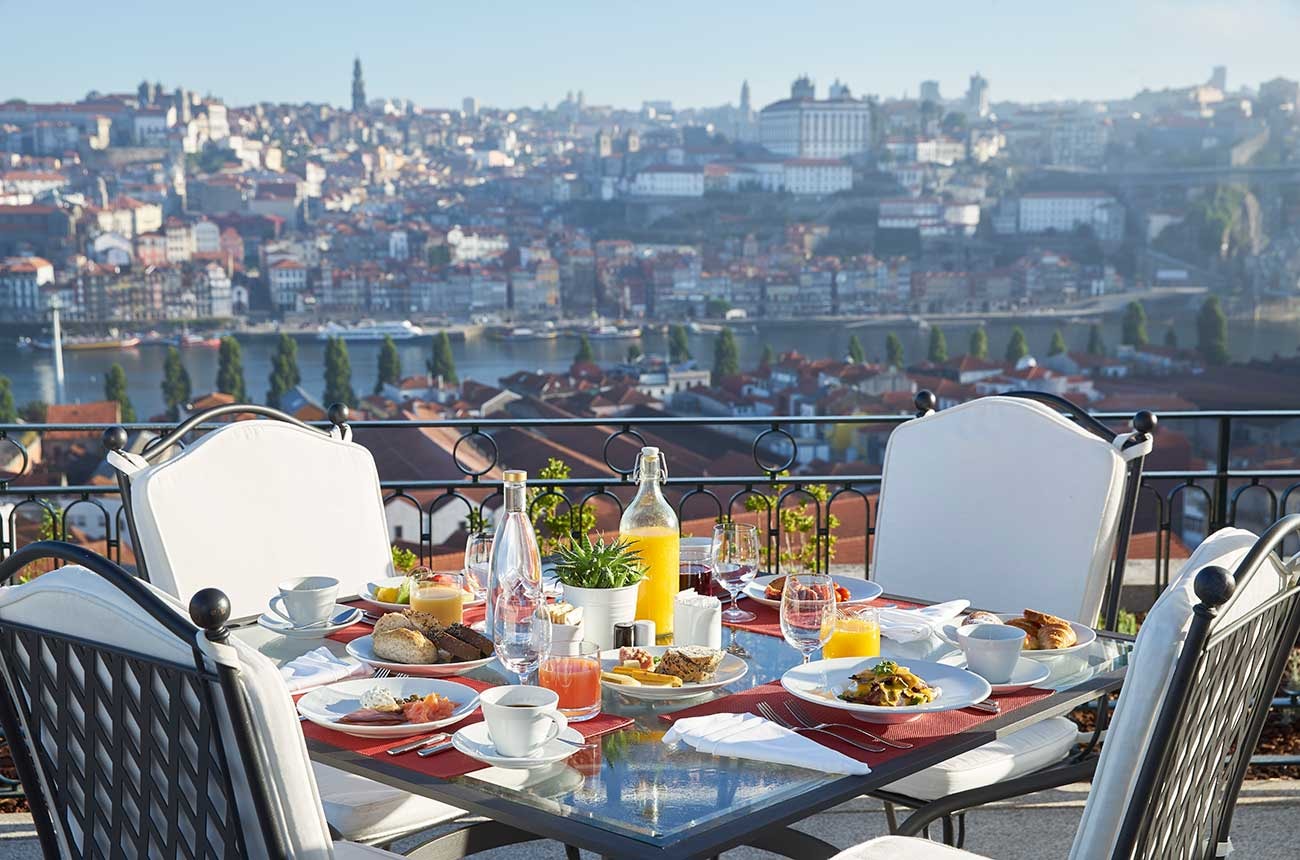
(1146, 683)
(256, 502)
(110, 699)
(1002, 501)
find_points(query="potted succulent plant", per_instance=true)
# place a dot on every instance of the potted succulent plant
(600, 578)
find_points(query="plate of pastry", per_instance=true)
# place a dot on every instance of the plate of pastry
(1046, 635)
(662, 673)
(388, 707)
(414, 643)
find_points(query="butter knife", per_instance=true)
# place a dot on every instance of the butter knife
(422, 742)
(435, 749)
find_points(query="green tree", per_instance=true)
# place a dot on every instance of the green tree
(1096, 343)
(230, 370)
(938, 352)
(8, 411)
(726, 357)
(584, 352)
(338, 373)
(893, 350)
(33, 411)
(1135, 325)
(556, 523)
(176, 384)
(390, 365)
(1212, 332)
(443, 363)
(1057, 346)
(716, 308)
(1017, 346)
(1171, 338)
(633, 353)
(857, 354)
(769, 356)
(115, 389)
(678, 349)
(284, 371)
(979, 344)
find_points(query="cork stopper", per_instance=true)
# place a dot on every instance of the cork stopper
(515, 476)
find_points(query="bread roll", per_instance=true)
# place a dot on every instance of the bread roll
(1044, 618)
(392, 621)
(404, 645)
(979, 616)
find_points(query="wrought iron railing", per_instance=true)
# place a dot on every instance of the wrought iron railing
(1214, 485)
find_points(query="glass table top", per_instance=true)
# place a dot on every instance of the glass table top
(642, 788)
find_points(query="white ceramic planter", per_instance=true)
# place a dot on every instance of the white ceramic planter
(602, 608)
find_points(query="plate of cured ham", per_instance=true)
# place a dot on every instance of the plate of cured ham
(388, 707)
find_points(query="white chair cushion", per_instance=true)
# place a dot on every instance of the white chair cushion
(1002, 501)
(367, 811)
(1151, 665)
(1005, 758)
(256, 502)
(353, 851)
(904, 848)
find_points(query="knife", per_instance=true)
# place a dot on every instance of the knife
(415, 745)
(435, 748)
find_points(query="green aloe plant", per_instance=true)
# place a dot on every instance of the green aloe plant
(584, 564)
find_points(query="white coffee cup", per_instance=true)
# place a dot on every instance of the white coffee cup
(521, 719)
(306, 600)
(992, 650)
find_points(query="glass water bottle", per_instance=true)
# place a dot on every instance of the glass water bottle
(650, 526)
(514, 547)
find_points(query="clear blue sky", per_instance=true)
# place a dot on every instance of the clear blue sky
(511, 53)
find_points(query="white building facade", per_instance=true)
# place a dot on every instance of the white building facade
(803, 126)
(1064, 211)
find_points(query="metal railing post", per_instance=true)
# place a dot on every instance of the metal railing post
(1219, 516)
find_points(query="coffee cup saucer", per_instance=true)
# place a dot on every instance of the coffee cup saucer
(1026, 674)
(341, 616)
(474, 741)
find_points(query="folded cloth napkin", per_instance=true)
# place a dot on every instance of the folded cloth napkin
(748, 736)
(913, 625)
(320, 667)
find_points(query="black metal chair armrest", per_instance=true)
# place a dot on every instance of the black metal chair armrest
(1040, 780)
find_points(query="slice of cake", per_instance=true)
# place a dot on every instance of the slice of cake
(691, 663)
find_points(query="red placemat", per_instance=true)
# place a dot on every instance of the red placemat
(767, 619)
(919, 733)
(450, 763)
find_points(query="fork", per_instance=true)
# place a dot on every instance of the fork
(770, 713)
(802, 716)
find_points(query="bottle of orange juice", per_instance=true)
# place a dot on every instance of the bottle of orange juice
(650, 526)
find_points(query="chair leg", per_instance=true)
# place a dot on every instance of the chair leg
(891, 817)
(471, 840)
(571, 853)
(949, 837)
(961, 830)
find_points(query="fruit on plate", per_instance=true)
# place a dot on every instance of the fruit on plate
(387, 594)
(776, 586)
(648, 678)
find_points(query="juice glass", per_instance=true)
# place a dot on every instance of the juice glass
(856, 633)
(443, 597)
(572, 671)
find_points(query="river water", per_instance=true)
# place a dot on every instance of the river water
(486, 360)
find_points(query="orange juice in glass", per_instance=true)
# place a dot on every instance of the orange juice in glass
(856, 633)
(572, 671)
(443, 597)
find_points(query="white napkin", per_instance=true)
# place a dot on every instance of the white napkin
(912, 625)
(748, 736)
(319, 667)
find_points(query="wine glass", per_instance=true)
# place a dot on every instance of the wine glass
(520, 631)
(478, 559)
(735, 561)
(808, 611)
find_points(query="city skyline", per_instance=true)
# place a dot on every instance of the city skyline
(1103, 51)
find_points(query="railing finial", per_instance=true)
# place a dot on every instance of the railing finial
(210, 609)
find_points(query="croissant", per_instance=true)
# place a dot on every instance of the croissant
(1043, 618)
(1024, 624)
(1053, 636)
(979, 616)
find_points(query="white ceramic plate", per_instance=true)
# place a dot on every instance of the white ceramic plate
(1086, 637)
(473, 741)
(324, 706)
(819, 681)
(471, 598)
(363, 648)
(731, 669)
(860, 590)
(347, 615)
(1026, 674)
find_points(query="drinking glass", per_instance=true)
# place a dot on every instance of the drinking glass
(442, 596)
(521, 631)
(734, 553)
(572, 670)
(807, 611)
(695, 565)
(478, 560)
(856, 633)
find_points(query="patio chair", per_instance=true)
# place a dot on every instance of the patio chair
(1036, 511)
(136, 734)
(248, 505)
(1200, 682)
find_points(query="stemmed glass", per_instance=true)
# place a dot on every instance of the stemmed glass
(808, 612)
(478, 559)
(520, 631)
(735, 561)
